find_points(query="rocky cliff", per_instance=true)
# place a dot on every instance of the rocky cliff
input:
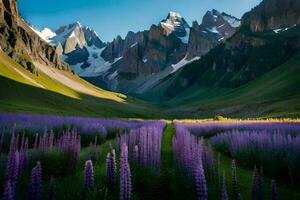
(21, 43)
(148, 56)
(245, 56)
(273, 14)
(119, 46)
(215, 28)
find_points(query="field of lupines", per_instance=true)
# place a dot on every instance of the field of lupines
(50, 157)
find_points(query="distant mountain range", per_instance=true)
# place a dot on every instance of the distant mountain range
(222, 65)
(135, 63)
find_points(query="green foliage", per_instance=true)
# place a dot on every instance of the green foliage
(54, 163)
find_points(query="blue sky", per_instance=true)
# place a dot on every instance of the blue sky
(110, 18)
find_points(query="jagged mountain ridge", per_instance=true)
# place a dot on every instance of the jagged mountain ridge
(79, 46)
(146, 57)
(248, 55)
(215, 28)
(130, 64)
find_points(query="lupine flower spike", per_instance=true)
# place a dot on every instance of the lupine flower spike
(88, 175)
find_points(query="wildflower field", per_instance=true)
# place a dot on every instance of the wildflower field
(51, 157)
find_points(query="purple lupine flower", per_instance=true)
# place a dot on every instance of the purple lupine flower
(254, 184)
(35, 188)
(125, 174)
(257, 185)
(88, 175)
(1, 142)
(108, 169)
(224, 190)
(234, 179)
(200, 181)
(258, 143)
(273, 190)
(260, 192)
(52, 187)
(111, 168)
(12, 166)
(23, 155)
(8, 193)
(35, 144)
(136, 154)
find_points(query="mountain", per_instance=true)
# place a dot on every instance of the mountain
(214, 29)
(21, 43)
(273, 14)
(33, 79)
(79, 46)
(176, 24)
(137, 62)
(143, 58)
(247, 63)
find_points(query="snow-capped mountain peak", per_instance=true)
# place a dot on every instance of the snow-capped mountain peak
(175, 23)
(219, 24)
(175, 15)
(46, 34)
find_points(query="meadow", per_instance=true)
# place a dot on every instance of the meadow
(53, 157)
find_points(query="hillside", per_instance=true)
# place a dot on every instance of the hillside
(275, 94)
(56, 92)
(252, 74)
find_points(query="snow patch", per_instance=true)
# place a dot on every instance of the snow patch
(182, 63)
(185, 39)
(113, 76)
(133, 45)
(280, 30)
(97, 64)
(213, 30)
(175, 14)
(46, 34)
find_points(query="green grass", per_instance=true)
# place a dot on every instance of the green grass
(18, 94)
(275, 94)
(245, 182)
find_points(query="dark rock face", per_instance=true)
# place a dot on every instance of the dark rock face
(92, 38)
(214, 29)
(148, 53)
(19, 42)
(273, 14)
(199, 43)
(152, 53)
(245, 56)
(79, 55)
(119, 46)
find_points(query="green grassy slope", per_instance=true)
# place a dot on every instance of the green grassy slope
(21, 91)
(276, 94)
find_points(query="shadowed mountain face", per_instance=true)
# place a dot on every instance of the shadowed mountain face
(215, 28)
(19, 42)
(273, 14)
(137, 62)
(143, 58)
(245, 57)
